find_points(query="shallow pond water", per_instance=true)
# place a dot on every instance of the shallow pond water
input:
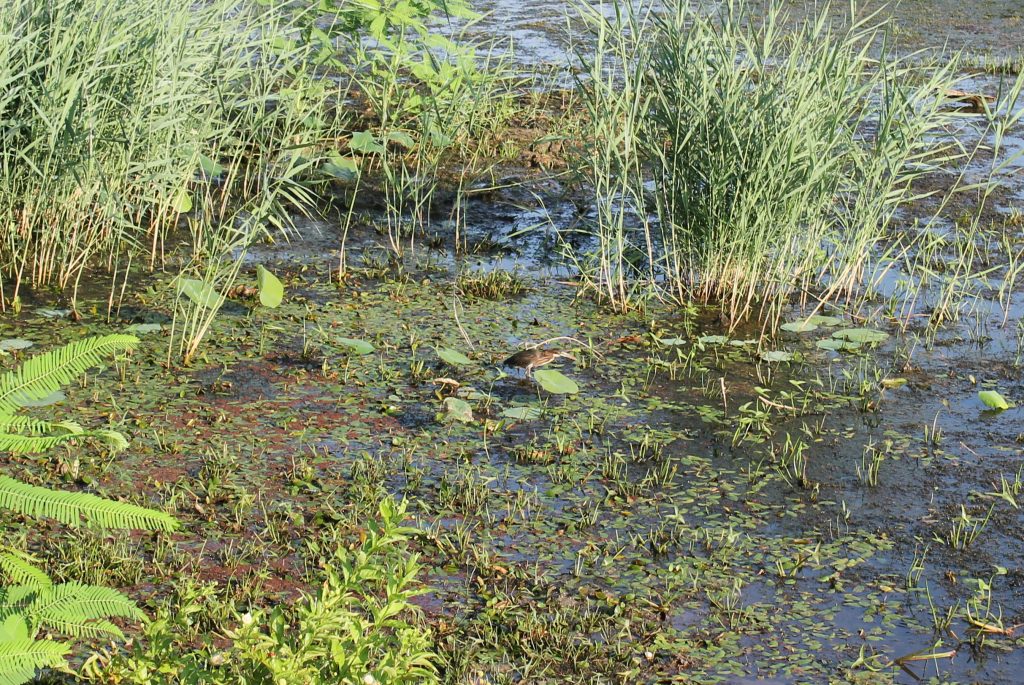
(701, 511)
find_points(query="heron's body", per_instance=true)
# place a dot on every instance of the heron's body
(528, 360)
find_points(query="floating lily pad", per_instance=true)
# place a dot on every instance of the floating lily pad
(357, 346)
(522, 413)
(556, 382)
(837, 345)
(671, 341)
(52, 313)
(453, 357)
(458, 410)
(861, 335)
(145, 328)
(712, 339)
(822, 320)
(799, 326)
(742, 343)
(893, 382)
(993, 400)
(15, 344)
(271, 288)
(777, 356)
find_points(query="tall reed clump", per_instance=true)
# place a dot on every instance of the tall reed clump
(741, 160)
(118, 117)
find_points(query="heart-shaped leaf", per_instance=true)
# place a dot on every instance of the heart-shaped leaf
(861, 335)
(458, 409)
(522, 413)
(203, 294)
(993, 400)
(357, 346)
(271, 289)
(556, 382)
(453, 357)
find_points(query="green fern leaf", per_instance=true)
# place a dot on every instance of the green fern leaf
(46, 373)
(19, 568)
(29, 444)
(19, 659)
(72, 508)
(87, 630)
(69, 603)
(26, 425)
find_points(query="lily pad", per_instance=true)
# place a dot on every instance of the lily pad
(145, 328)
(357, 346)
(458, 410)
(671, 341)
(799, 326)
(822, 320)
(15, 344)
(861, 335)
(271, 288)
(522, 413)
(777, 356)
(837, 345)
(556, 382)
(453, 357)
(49, 313)
(712, 339)
(993, 400)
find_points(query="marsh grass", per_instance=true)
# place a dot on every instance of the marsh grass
(747, 160)
(121, 117)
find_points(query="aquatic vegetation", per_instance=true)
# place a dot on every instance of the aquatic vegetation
(745, 161)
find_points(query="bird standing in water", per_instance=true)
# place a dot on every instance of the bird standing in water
(529, 359)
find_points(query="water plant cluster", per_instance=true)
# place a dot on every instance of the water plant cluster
(263, 269)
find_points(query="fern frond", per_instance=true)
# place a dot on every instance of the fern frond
(29, 444)
(85, 629)
(26, 425)
(19, 659)
(19, 568)
(74, 508)
(66, 604)
(48, 372)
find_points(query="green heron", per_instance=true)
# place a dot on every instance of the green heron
(529, 359)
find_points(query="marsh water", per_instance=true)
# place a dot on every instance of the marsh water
(713, 505)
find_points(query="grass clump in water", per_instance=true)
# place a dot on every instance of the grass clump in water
(774, 159)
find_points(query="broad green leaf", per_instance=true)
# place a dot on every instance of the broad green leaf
(271, 289)
(861, 335)
(522, 413)
(458, 409)
(202, 294)
(712, 339)
(556, 382)
(401, 138)
(367, 143)
(53, 398)
(15, 344)
(893, 382)
(837, 345)
(49, 313)
(357, 346)
(993, 400)
(454, 357)
(182, 202)
(799, 326)
(209, 167)
(671, 341)
(145, 328)
(822, 320)
(341, 168)
(777, 356)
